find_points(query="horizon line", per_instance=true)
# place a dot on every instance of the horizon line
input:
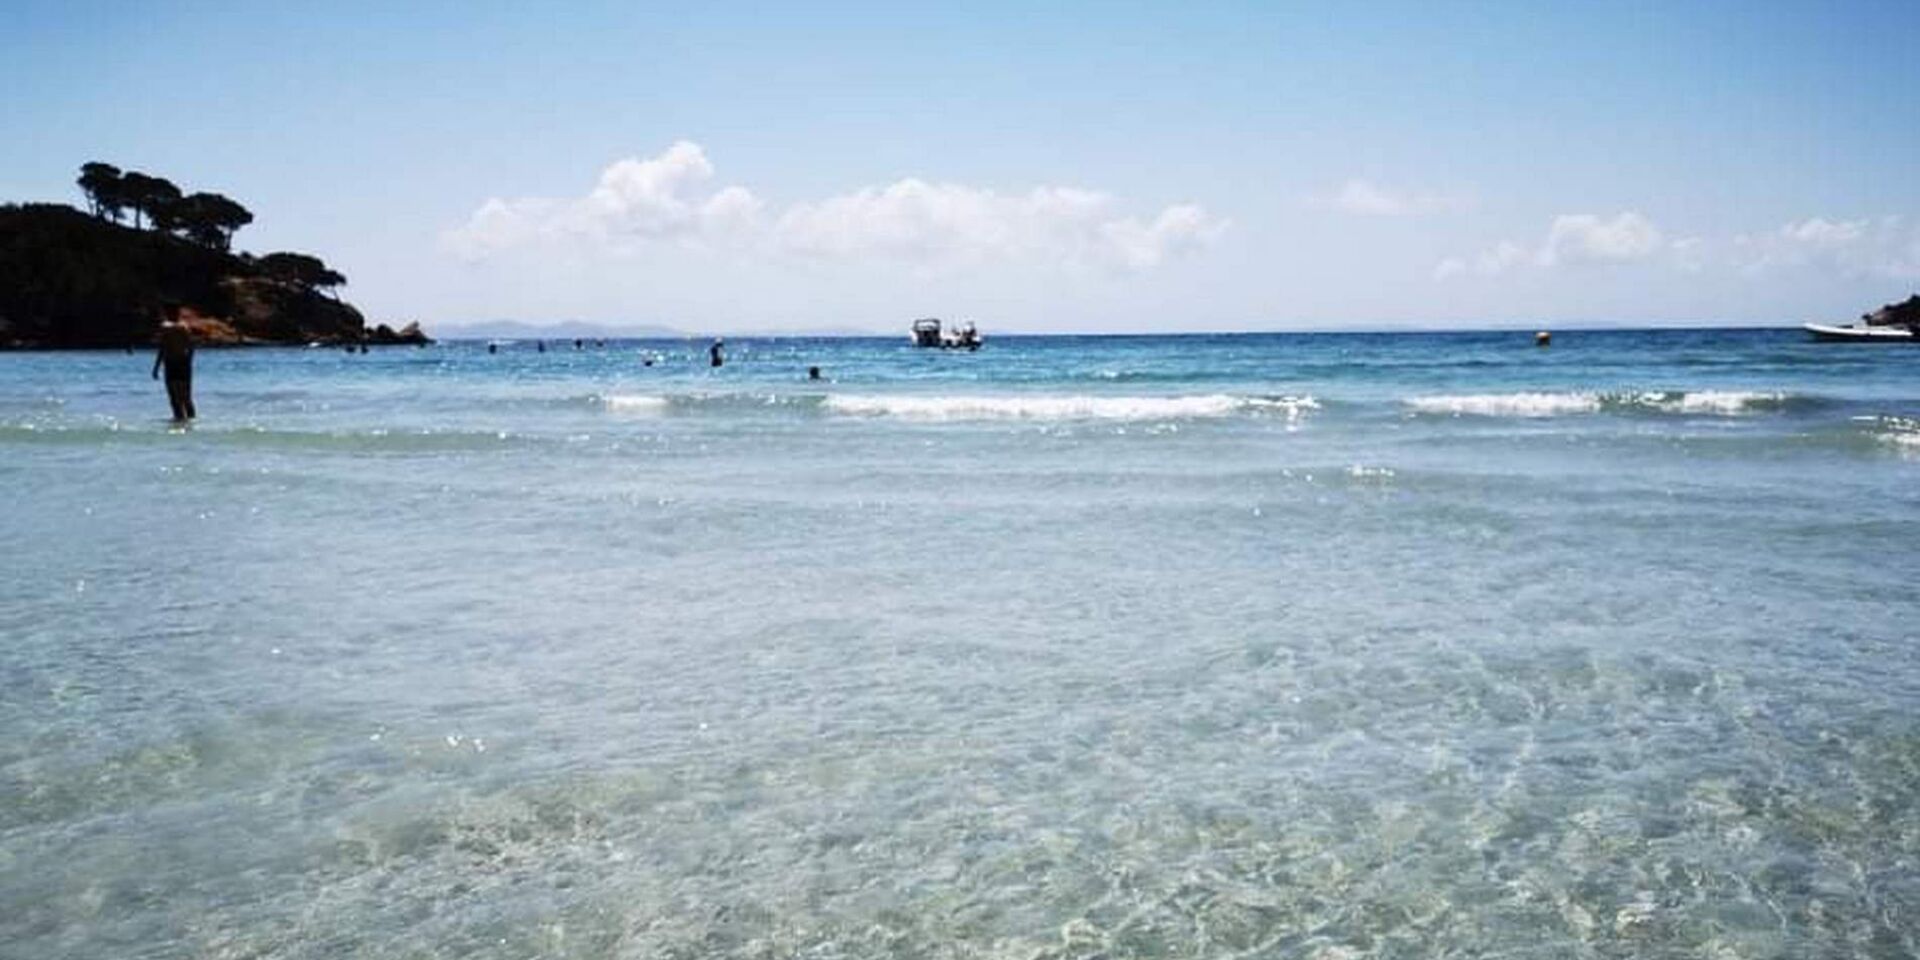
(647, 332)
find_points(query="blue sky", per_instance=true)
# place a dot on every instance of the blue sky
(1098, 167)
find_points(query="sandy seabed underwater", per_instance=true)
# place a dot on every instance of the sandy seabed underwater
(1325, 646)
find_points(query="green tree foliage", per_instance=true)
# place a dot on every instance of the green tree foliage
(152, 196)
(207, 219)
(307, 271)
(101, 183)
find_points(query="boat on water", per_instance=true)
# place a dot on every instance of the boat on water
(1859, 333)
(928, 332)
(1893, 323)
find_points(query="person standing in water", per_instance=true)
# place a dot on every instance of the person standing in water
(176, 355)
(714, 355)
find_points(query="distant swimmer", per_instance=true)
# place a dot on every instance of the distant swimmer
(1543, 339)
(540, 345)
(493, 348)
(176, 355)
(813, 373)
(714, 356)
(578, 343)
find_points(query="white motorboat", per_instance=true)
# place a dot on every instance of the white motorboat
(963, 336)
(1860, 333)
(1895, 322)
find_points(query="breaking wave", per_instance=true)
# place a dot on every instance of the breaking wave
(1507, 404)
(743, 401)
(1724, 403)
(634, 403)
(1053, 407)
(1197, 406)
(1713, 402)
(1900, 433)
(972, 407)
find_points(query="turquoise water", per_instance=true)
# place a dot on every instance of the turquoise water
(1325, 646)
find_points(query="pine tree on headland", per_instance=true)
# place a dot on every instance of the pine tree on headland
(302, 269)
(152, 196)
(102, 185)
(208, 219)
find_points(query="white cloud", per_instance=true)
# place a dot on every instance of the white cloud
(1689, 253)
(1572, 238)
(1491, 262)
(1176, 230)
(732, 210)
(665, 199)
(1503, 257)
(500, 224)
(1367, 199)
(659, 198)
(653, 197)
(912, 219)
(1585, 238)
(1885, 247)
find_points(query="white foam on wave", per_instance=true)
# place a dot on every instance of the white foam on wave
(634, 403)
(1293, 407)
(1901, 433)
(1725, 403)
(1081, 407)
(1508, 404)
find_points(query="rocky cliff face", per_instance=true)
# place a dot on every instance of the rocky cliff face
(265, 310)
(71, 280)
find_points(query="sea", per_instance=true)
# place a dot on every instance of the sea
(1329, 646)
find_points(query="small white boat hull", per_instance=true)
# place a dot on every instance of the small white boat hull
(1823, 331)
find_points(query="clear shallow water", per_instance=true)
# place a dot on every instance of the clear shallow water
(1319, 646)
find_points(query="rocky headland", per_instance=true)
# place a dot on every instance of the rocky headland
(77, 279)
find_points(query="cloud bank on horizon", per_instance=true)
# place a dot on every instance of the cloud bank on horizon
(674, 201)
(1363, 197)
(669, 199)
(1885, 247)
